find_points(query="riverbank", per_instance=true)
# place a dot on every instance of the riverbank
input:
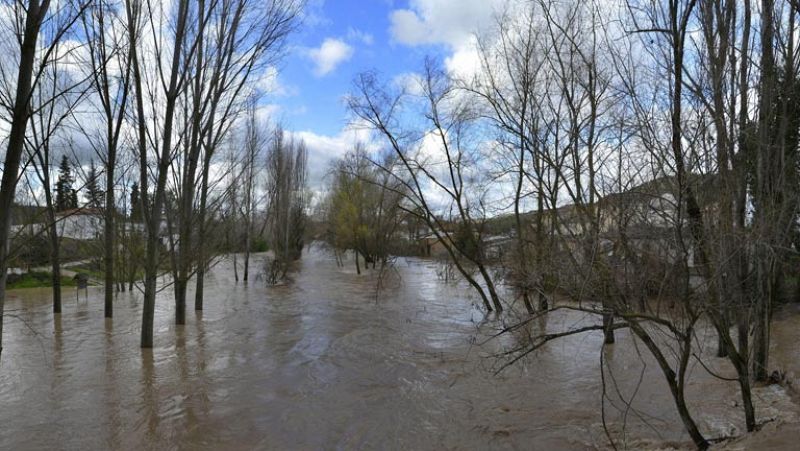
(784, 431)
(36, 279)
(41, 277)
(776, 435)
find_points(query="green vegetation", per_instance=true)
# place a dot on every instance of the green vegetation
(37, 279)
(259, 245)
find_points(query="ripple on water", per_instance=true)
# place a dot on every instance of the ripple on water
(320, 362)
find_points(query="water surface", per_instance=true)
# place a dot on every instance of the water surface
(323, 362)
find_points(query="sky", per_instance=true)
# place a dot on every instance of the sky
(340, 38)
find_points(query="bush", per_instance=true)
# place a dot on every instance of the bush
(259, 245)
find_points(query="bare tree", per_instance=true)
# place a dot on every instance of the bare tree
(20, 78)
(287, 198)
(774, 158)
(140, 17)
(447, 125)
(240, 41)
(511, 71)
(54, 100)
(254, 142)
(110, 68)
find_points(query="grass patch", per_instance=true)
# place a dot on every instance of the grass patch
(38, 279)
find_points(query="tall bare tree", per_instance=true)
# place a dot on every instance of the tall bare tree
(55, 98)
(240, 42)
(19, 77)
(287, 197)
(447, 129)
(110, 68)
(162, 96)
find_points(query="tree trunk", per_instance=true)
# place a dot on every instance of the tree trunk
(743, 370)
(199, 286)
(55, 258)
(608, 327)
(490, 286)
(235, 269)
(201, 234)
(762, 322)
(16, 137)
(151, 261)
(675, 386)
(150, 278)
(722, 349)
(55, 263)
(769, 156)
(180, 307)
(688, 422)
(246, 258)
(109, 241)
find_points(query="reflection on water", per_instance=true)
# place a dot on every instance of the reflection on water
(321, 362)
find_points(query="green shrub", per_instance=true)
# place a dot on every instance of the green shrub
(259, 245)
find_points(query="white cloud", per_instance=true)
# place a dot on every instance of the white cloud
(268, 113)
(330, 55)
(324, 149)
(449, 22)
(313, 15)
(360, 36)
(465, 60)
(410, 83)
(453, 23)
(269, 82)
(407, 28)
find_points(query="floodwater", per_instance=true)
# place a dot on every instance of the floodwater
(322, 362)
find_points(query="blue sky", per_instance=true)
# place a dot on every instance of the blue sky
(313, 100)
(340, 38)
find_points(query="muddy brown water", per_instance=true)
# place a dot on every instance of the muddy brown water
(323, 363)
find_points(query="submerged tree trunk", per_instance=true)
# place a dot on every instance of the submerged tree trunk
(201, 233)
(675, 381)
(55, 264)
(55, 242)
(763, 316)
(608, 327)
(180, 301)
(722, 349)
(743, 370)
(199, 285)
(252, 145)
(186, 213)
(109, 241)
(246, 268)
(490, 286)
(154, 219)
(768, 189)
(36, 12)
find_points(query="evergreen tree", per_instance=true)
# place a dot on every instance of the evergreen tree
(136, 208)
(94, 195)
(66, 197)
(73, 199)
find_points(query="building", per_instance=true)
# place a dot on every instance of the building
(80, 224)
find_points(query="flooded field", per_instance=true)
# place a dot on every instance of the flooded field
(323, 362)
